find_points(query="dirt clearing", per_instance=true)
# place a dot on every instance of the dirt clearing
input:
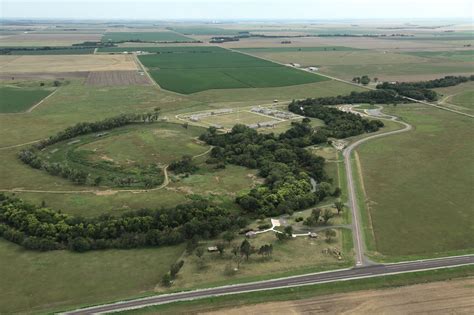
(66, 63)
(117, 78)
(449, 297)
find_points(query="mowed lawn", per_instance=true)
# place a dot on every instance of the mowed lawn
(419, 184)
(18, 99)
(189, 72)
(163, 36)
(37, 282)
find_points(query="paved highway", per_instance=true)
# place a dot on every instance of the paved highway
(323, 277)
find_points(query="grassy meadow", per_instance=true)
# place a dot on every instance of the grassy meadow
(418, 201)
(35, 282)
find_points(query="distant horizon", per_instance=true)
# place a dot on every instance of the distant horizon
(236, 10)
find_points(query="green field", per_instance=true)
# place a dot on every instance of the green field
(163, 50)
(464, 99)
(193, 72)
(419, 201)
(163, 36)
(14, 99)
(76, 279)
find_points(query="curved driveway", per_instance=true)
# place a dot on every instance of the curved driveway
(357, 233)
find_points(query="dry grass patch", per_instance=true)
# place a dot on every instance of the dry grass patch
(66, 63)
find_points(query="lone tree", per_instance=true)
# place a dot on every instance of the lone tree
(246, 249)
(327, 215)
(330, 234)
(175, 268)
(220, 248)
(289, 231)
(339, 205)
(365, 80)
(228, 236)
(166, 280)
(199, 252)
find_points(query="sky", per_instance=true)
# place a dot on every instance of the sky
(237, 9)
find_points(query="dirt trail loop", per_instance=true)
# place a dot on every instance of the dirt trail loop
(103, 192)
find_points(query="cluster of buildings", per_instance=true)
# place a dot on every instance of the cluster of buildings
(265, 124)
(198, 117)
(274, 112)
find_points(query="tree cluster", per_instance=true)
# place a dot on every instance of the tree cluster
(146, 176)
(338, 124)
(44, 229)
(421, 90)
(185, 165)
(282, 160)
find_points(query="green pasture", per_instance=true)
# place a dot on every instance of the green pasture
(419, 201)
(164, 50)
(38, 282)
(14, 99)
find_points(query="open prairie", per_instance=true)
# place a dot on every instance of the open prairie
(66, 63)
(416, 200)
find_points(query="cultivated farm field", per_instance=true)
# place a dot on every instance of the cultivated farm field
(16, 99)
(116, 78)
(190, 72)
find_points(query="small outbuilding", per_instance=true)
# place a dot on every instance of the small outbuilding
(212, 249)
(250, 234)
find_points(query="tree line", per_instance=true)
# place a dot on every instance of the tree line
(421, 90)
(283, 161)
(338, 124)
(147, 176)
(40, 228)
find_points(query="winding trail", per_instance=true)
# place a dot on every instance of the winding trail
(357, 230)
(103, 192)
